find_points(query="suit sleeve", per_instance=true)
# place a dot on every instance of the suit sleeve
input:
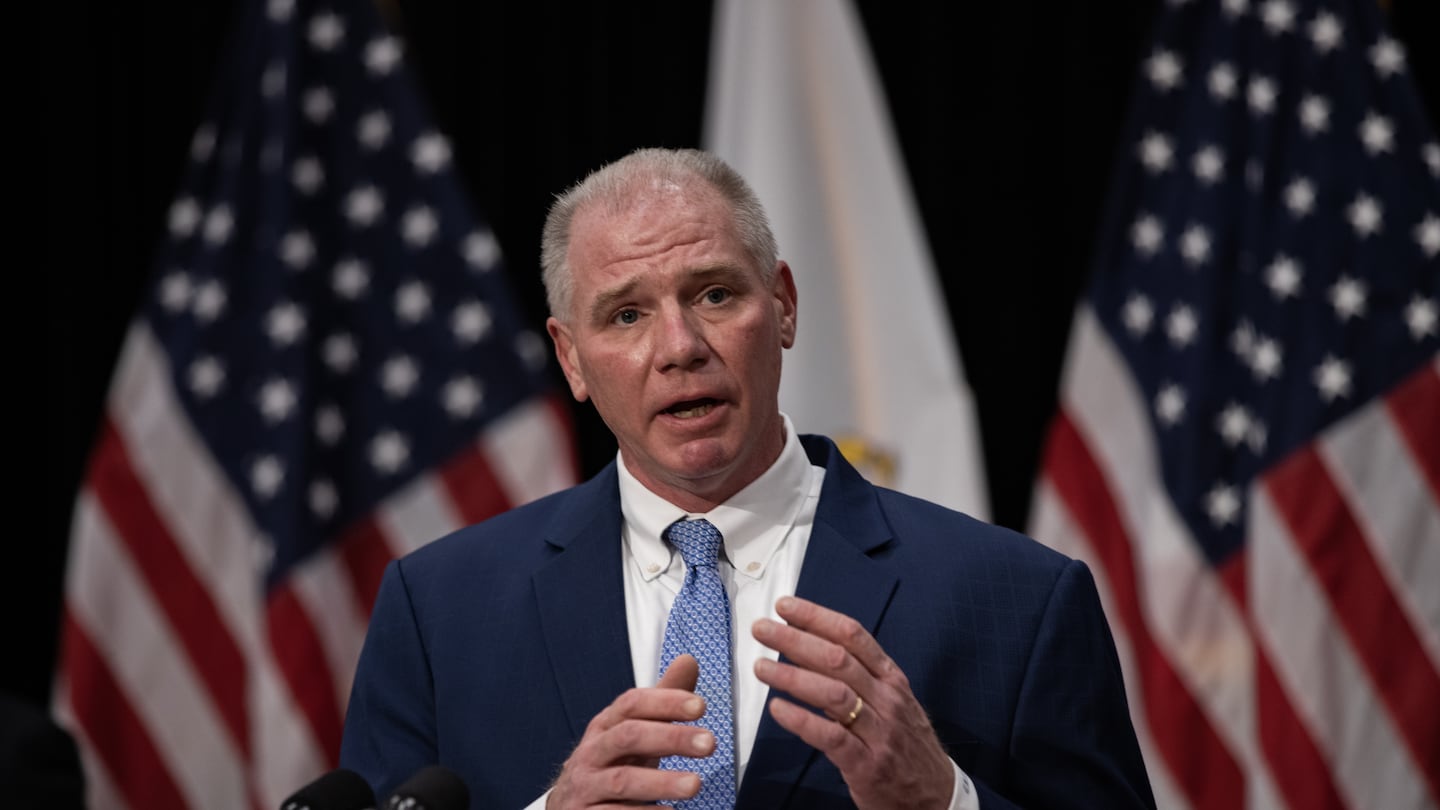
(1072, 744)
(390, 722)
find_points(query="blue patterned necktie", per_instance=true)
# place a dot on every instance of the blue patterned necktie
(700, 625)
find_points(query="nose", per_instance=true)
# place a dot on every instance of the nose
(680, 340)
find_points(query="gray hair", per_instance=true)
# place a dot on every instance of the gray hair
(614, 185)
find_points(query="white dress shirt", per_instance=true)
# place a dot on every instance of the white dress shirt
(766, 529)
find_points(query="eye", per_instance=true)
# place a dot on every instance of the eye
(717, 295)
(627, 316)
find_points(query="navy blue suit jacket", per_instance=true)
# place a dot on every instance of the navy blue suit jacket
(491, 649)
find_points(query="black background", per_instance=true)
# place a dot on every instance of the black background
(1007, 114)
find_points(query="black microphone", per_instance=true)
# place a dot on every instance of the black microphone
(339, 789)
(432, 788)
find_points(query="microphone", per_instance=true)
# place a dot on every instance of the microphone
(432, 788)
(340, 789)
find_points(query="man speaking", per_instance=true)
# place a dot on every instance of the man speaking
(729, 615)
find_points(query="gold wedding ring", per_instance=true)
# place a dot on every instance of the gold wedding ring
(854, 713)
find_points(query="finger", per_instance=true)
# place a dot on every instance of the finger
(826, 736)
(631, 783)
(837, 628)
(650, 703)
(834, 697)
(651, 740)
(814, 653)
(683, 673)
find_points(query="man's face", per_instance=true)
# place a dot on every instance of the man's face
(676, 336)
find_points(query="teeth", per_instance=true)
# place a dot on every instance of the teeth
(691, 413)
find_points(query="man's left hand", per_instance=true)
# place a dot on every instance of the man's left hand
(887, 752)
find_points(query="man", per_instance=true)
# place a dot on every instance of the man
(559, 653)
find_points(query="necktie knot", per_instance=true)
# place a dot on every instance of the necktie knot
(698, 541)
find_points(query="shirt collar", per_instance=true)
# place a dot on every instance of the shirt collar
(753, 522)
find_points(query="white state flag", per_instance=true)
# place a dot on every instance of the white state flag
(796, 107)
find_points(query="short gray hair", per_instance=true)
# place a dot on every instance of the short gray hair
(614, 183)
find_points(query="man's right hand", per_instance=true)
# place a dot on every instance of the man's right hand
(617, 761)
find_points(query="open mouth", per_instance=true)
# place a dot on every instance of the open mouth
(692, 408)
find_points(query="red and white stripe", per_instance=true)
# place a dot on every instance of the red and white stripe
(186, 683)
(1303, 673)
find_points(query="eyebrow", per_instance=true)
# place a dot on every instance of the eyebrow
(607, 299)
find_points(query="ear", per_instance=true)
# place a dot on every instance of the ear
(785, 303)
(568, 357)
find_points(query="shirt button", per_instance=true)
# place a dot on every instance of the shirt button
(651, 568)
(753, 567)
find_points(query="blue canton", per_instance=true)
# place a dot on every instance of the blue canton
(1273, 257)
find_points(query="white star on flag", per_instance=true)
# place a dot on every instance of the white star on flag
(419, 226)
(412, 302)
(1278, 16)
(297, 249)
(175, 291)
(1181, 326)
(209, 301)
(266, 476)
(374, 129)
(1138, 314)
(1300, 197)
(184, 216)
(1261, 95)
(1147, 234)
(1156, 152)
(285, 324)
(308, 175)
(218, 224)
(318, 105)
(1170, 404)
(382, 54)
(1222, 504)
(1332, 377)
(1208, 164)
(399, 375)
(430, 153)
(277, 400)
(364, 205)
(1376, 133)
(327, 31)
(329, 424)
(1427, 234)
(1233, 424)
(340, 353)
(1222, 82)
(1326, 32)
(389, 452)
(462, 397)
(470, 322)
(1314, 114)
(351, 278)
(1195, 245)
(1388, 57)
(323, 498)
(1420, 317)
(1164, 70)
(481, 250)
(1365, 215)
(1347, 296)
(1283, 277)
(206, 376)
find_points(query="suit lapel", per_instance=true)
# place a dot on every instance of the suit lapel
(580, 595)
(839, 573)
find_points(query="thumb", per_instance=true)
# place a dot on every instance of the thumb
(683, 673)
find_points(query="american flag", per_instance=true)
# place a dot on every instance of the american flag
(327, 372)
(1248, 446)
